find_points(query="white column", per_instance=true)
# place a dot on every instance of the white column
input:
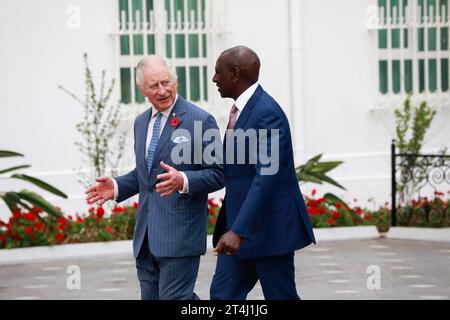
(296, 113)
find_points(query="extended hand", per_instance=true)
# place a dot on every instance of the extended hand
(172, 181)
(100, 192)
(229, 243)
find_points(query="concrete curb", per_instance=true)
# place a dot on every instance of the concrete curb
(96, 249)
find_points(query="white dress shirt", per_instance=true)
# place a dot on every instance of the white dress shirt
(164, 118)
(242, 100)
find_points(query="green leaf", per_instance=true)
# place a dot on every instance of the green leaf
(11, 199)
(6, 153)
(14, 168)
(327, 166)
(41, 184)
(308, 178)
(330, 181)
(39, 202)
(333, 199)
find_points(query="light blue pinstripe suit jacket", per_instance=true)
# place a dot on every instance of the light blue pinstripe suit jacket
(176, 223)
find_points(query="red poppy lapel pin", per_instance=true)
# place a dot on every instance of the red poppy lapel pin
(175, 121)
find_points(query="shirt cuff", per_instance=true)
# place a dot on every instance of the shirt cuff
(116, 189)
(185, 184)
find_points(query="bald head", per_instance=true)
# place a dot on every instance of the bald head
(246, 60)
(237, 69)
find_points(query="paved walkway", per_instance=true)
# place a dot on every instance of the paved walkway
(408, 269)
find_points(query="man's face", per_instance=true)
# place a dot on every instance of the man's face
(223, 78)
(159, 87)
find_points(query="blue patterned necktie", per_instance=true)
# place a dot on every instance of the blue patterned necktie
(153, 142)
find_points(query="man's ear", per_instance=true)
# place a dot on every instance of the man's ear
(236, 73)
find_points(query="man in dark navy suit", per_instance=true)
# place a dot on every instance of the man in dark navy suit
(263, 219)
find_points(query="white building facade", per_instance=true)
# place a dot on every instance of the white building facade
(337, 67)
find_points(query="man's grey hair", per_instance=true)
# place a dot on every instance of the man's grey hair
(152, 60)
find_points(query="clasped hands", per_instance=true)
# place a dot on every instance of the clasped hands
(102, 191)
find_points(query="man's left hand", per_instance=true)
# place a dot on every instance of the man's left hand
(229, 243)
(171, 181)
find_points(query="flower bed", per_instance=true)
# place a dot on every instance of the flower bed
(425, 212)
(35, 228)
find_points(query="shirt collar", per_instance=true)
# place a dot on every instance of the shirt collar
(242, 100)
(166, 112)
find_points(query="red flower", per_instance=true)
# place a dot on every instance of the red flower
(60, 237)
(211, 211)
(118, 209)
(29, 216)
(100, 212)
(107, 228)
(17, 214)
(27, 230)
(39, 225)
(336, 214)
(79, 219)
(174, 121)
(331, 222)
(213, 220)
(36, 210)
(136, 205)
(338, 205)
(313, 210)
(313, 192)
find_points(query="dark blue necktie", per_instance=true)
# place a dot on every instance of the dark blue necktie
(153, 142)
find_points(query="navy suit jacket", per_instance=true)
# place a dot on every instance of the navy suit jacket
(177, 223)
(268, 211)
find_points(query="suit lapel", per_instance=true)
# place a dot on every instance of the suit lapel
(142, 138)
(240, 123)
(243, 117)
(168, 129)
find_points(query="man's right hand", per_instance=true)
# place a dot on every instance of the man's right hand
(100, 192)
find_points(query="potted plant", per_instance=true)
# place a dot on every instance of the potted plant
(383, 221)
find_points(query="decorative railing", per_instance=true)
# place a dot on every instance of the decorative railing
(430, 173)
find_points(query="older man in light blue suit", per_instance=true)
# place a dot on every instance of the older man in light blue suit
(170, 230)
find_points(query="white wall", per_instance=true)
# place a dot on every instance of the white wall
(38, 53)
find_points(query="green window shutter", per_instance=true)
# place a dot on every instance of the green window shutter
(383, 72)
(382, 39)
(193, 46)
(151, 44)
(396, 77)
(124, 39)
(432, 75)
(181, 72)
(421, 75)
(138, 40)
(408, 76)
(194, 77)
(444, 75)
(204, 45)
(444, 38)
(125, 85)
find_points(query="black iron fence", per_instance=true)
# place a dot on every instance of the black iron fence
(427, 171)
